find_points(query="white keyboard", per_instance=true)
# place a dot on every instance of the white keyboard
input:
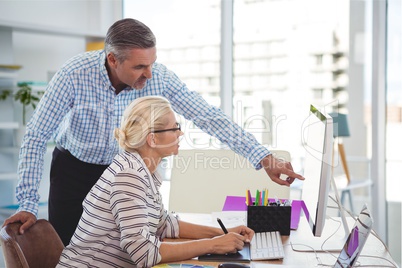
(266, 246)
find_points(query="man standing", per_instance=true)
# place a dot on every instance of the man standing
(83, 105)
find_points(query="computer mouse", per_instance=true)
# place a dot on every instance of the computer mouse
(232, 265)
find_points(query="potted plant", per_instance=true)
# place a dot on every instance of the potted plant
(25, 95)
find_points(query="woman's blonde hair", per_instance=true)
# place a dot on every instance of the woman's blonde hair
(141, 117)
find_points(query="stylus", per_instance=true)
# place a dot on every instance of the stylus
(222, 226)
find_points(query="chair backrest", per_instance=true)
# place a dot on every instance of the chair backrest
(201, 179)
(39, 246)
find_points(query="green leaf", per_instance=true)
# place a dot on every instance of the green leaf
(24, 95)
(5, 94)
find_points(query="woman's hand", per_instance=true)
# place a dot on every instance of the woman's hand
(244, 231)
(228, 243)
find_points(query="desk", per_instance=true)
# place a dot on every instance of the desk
(373, 246)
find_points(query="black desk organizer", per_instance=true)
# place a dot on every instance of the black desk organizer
(269, 218)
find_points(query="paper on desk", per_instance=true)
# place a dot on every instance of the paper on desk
(230, 218)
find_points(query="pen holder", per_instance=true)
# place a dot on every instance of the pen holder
(269, 218)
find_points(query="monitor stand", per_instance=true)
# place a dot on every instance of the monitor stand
(331, 240)
(325, 243)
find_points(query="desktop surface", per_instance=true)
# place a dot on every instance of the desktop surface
(373, 246)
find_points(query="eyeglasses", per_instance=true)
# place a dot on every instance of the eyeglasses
(169, 129)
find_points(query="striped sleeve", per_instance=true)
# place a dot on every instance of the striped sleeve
(129, 208)
(168, 225)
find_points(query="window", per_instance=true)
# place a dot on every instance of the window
(188, 40)
(285, 54)
(394, 125)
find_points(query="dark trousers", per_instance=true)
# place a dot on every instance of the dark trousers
(70, 182)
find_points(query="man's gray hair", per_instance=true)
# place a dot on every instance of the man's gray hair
(127, 34)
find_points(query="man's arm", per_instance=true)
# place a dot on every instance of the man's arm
(45, 119)
(213, 121)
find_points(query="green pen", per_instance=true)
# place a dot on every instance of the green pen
(257, 198)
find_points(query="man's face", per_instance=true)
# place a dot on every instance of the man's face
(135, 70)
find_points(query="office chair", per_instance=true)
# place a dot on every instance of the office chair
(346, 186)
(39, 247)
(201, 179)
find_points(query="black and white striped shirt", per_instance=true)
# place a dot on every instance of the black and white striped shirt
(123, 220)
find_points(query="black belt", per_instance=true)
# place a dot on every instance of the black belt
(61, 149)
(67, 153)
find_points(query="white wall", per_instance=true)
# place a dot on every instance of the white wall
(88, 15)
(39, 53)
(40, 35)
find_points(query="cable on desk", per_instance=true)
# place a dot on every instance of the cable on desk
(358, 264)
(323, 243)
(351, 214)
(355, 217)
(315, 252)
(377, 257)
(365, 265)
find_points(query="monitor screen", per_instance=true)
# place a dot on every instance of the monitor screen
(317, 138)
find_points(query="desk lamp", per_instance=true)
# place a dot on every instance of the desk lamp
(341, 129)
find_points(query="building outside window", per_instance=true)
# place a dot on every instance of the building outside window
(286, 54)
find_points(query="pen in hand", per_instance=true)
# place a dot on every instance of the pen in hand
(222, 226)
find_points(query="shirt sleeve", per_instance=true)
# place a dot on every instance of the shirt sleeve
(133, 217)
(168, 226)
(52, 107)
(213, 121)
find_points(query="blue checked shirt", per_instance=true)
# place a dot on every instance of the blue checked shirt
(80, 110)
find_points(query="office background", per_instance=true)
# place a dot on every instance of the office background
(342, 55)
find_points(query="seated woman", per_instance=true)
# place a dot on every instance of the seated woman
(124, 221)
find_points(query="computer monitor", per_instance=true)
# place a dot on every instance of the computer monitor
(317, 138)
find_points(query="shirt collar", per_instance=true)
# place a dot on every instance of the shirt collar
(155, 179)
(104, 74)
(102, 67)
